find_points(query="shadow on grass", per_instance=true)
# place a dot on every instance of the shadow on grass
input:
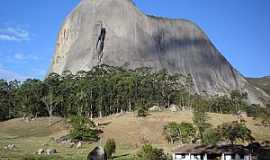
(120, 156)
(51, 125)
(104, 124)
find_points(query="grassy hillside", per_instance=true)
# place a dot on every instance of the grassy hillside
(263, 83)
(128, 130)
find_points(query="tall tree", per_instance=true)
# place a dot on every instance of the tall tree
(189, 84)
(4, 106)
(234, 131)
(200, 118)
(52, 97)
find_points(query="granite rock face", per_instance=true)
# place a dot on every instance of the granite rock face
(132, 39)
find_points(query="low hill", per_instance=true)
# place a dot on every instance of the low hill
(263, 83)
(129, 131)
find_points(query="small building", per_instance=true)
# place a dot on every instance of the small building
(203, 152)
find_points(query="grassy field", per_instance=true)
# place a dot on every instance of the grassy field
(129, 131)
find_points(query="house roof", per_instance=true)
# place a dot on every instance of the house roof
(202, 149)
(193, 149)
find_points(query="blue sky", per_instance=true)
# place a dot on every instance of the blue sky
(240, 29)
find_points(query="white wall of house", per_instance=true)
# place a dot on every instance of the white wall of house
(198, 157)
(235, 157)
(182, 157)
(247, 157)
(189, 157)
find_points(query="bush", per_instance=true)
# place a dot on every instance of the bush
(148, 152)
(83, 129)
(183, 132)
(233, 131)
(110, 147)
(142, 112)
(84, 134)
(210, 137)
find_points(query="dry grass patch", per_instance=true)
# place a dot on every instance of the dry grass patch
(129, 132)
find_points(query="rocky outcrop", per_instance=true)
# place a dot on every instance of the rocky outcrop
(263, 83)
(97, 154)
(115, 32)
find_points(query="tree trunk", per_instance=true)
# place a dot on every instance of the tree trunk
(91, 111)
(129, 105)
(50, 115)
(117, 104)
(232, 143)
(91, 115)
(91, 105)
(50, 111)
(100, 114)
(172, 141)
(189, 97)
(9, 113)
(111, 110)
(36, 116)
(180, 136)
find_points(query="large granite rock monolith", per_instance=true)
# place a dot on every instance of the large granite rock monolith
(118, 34)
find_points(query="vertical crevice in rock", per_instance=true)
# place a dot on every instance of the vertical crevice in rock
(100, 43)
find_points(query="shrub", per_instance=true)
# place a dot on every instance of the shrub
(142, 112)
(210, 137)
(183, 132)
(110, 147)
(234, 131)
(83, 129)
(148, 152)
(200, 118)
(172, 132)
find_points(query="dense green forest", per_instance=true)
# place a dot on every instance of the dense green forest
(107, 90)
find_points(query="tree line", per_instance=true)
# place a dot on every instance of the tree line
(202, 132)
(106, 90)
(102, 91)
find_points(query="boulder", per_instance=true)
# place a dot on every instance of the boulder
(241, 115)
(79, 145)
(97, 154)
(155, 109)
(50, 151)
(173, 108)
(10, 147)
(40, 151)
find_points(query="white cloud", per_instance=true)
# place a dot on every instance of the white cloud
(22, 56)
(10, 75)
(14, 34)
(19, 56)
